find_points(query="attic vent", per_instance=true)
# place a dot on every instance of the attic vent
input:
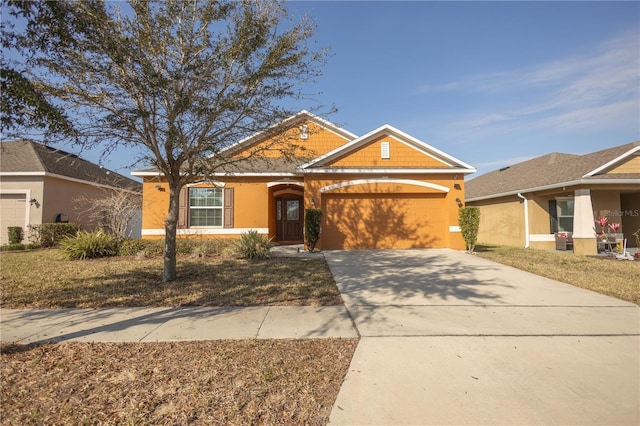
(304, 132)
(384, 150)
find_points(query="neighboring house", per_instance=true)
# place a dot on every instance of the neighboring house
(528, 203)
(384, 189)
(40, 184)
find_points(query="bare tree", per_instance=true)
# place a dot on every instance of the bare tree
(180, 79)
(116, 212)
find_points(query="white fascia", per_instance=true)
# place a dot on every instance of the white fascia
(147, 173)
(284, 182)
(369, 170)
(558, 185)
(613, 162)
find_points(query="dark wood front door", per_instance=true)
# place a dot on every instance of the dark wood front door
(289, 219)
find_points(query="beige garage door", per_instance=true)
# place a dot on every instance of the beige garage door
(371, 221)
(12, 207)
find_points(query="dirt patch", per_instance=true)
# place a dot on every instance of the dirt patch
(213, 382)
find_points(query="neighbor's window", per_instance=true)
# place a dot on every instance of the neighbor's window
(205, 206)
(565, 215)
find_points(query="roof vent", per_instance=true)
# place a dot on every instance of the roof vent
(385, 151)
(304, 132)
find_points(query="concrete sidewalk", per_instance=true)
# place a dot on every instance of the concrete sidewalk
(174, 324)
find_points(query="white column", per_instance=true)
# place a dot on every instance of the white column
(583, 220)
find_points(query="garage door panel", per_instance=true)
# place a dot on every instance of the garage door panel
(12, 208)
(379, 221)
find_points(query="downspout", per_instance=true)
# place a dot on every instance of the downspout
(526, 219)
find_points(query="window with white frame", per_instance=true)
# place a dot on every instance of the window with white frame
(565, 214)
(205, 206)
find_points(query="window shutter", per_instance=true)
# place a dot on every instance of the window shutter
(228, 208)
(553, 216)
(183, 208)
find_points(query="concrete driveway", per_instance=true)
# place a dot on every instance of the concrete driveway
(449, 338)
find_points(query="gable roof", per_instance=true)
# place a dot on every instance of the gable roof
(553, 170)
(29, 158)
(261, 166)
(451, 163)
(303, 115)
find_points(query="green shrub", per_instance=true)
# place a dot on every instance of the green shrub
(16, 234)
(469, 221)
(133, 246)
(13, 247)
(50, 234)
(187, 247)
(312, 224)
(89, 245)
(252, 245)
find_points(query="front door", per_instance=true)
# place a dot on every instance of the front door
(289, 219)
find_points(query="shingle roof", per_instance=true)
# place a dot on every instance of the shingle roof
(547, 170)
(25, 156)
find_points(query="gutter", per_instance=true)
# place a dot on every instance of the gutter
(526, 219)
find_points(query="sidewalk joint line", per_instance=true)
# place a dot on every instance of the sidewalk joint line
(262, 322)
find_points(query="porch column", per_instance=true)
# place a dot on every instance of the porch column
(584, 234)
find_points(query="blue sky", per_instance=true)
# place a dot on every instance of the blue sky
(491, 83)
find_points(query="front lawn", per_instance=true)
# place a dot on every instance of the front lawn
(616, 278)
(39, 279)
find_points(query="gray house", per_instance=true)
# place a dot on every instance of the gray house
(41, 184)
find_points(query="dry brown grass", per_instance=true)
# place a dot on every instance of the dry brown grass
(620, 279)
(220, 382)
(39, 279)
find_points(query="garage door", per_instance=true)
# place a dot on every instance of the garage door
(12, 207)
(372, 221)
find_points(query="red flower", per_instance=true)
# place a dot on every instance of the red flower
(603, 221)
(614, 226)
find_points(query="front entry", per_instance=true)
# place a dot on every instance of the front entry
(289, 219)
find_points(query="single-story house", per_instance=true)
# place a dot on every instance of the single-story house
(531, 203)
(41, 184)
(384, 189)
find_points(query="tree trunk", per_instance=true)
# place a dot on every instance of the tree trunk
(170, 228)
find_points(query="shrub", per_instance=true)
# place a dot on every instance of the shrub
(50, 234)
(16, 234)
(134, 246)
(13, 247)
(469, 221)
(252, 245)
(312, 224)
(89, 245)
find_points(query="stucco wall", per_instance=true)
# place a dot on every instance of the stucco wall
(501, 221)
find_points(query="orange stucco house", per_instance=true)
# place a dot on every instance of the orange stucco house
(385, 189)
